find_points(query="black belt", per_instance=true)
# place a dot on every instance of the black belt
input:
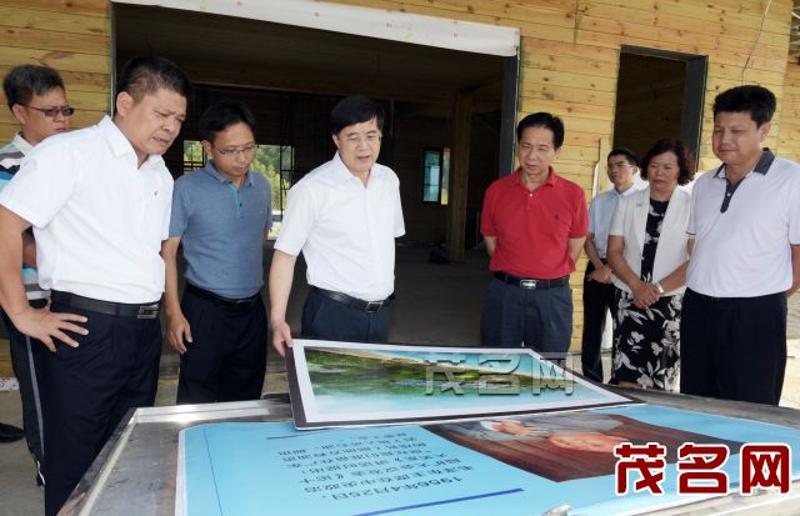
(354, 302)
(531, 283)
(140, 311)
(712, 299)
(244, 302)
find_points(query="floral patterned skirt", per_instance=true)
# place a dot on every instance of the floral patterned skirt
(647, 342)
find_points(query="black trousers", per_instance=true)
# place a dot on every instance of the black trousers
(23, 353)
(598, 298)
(228, 356)
(86, 391)
(734, 348)
(327, 319)
(539, 318)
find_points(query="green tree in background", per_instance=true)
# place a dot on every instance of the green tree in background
(267, 162)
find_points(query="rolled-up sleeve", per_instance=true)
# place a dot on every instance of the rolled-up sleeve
(42, 186)
(399, 222)
(179, 217)
(618, 220)
(298, 220)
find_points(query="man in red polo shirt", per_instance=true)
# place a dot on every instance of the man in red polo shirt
(534, 223)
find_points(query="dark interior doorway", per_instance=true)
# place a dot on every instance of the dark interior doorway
(292, 76)
(659, 95)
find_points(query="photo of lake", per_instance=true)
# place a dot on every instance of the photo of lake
(372, 382)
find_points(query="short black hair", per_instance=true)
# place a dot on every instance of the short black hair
(629, 155)
(145, 75)
(355, 109)
(546, 120)
(677, 147)
(221, 115)
(756, 100)
(24, 81)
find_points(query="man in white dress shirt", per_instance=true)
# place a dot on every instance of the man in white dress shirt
(598, 291)
(344, 216)
(99, 203)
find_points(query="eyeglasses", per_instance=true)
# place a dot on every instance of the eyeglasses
(246, 150)
(55, 111)
(370, 138)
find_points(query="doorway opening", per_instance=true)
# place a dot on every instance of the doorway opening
(659, 95)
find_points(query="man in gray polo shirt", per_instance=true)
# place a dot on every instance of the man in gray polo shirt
(221, 214)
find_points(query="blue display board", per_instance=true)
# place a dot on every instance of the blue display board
(456, 468)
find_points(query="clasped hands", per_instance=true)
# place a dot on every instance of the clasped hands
(645, 295)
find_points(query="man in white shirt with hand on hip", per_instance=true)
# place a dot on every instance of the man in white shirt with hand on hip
(99, 202)
(344, 216)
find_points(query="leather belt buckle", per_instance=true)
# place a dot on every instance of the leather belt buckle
(148, 312)
(373, 306)
(528, 283)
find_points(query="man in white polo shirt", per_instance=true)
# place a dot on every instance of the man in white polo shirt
(99, 203)
(344, 216)
(744, 236)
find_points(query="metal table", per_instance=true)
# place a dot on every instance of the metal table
(135, 471)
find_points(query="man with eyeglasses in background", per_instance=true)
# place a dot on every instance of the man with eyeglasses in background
(598, 291)
(221, 214)
(344, 216)
(37, 99)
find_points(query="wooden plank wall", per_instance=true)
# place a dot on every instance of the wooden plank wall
(570, 59)
(789, 137)
(72, 36)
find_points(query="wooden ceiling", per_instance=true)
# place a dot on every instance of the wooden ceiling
(228, 51)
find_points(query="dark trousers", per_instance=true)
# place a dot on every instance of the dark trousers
(327, 319)
(734, 348)
(539, 318)
(598, 298)
(86, 391)
(228, 356)
(23, 353)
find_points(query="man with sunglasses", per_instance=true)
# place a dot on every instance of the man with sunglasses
(221, 215)
(37, 99)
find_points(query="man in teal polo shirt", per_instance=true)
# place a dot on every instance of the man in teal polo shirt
(221, 214)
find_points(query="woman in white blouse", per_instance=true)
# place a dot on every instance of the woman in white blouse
(648, 255)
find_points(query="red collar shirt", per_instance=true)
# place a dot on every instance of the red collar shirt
(533, 229)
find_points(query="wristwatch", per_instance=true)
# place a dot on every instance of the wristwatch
(660, 288)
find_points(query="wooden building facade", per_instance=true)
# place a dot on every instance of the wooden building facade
(569, 60)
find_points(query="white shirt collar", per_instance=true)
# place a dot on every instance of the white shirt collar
(22, 144)
(631, 189)
(343, 173)
(121, 146)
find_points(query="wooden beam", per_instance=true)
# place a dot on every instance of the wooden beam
(459, 176)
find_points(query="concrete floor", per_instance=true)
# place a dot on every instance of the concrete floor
(436, 304)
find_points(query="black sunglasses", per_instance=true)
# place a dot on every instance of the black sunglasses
(54, 111)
